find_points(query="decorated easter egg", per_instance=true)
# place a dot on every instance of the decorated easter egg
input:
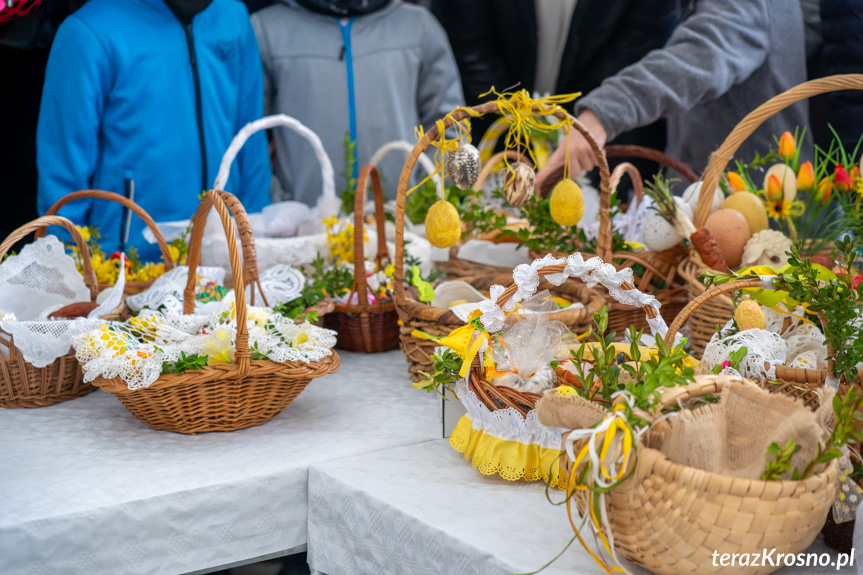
(463, 166)
(749, 315)
(443, 226)
(566, 203)
(518, 184)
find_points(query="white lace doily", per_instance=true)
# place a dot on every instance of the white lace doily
(135, 350)
(281, 283)
(508, 424)
(167, 291)
(42, 276)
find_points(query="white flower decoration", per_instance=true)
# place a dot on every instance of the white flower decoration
(492, 315)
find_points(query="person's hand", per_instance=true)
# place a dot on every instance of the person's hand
(581, 156)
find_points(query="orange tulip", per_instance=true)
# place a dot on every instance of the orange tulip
(787, 146)
(774, 191)
(855, 175)
(736, 182)
(805, 177)
(824, 191)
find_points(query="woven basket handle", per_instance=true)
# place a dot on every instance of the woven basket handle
(649, 311)
(718, 290)
(753, 120)
(489, 165)
(213, 199)
(661, 158)
(407, 147)
(123, 201)
(45, 222)
(627, 169)
(368, 171)
(603, 241)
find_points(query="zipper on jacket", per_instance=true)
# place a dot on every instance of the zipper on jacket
(190, 40)
(345, 26)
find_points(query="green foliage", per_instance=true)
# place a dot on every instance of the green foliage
(349, 192)
(781, 462)
(332, 281)
(184, 363)
(479, 217)
(446, 364)
(836, 301)
(257, 354)
(845, 410)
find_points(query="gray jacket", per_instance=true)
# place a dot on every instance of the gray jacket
(404, 75)
(719, 64)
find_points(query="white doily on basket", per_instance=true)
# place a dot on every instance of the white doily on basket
(42, 276)
(281, 283)
(167, 291)
(42, 342)
(508, 424)
(135, 350)
(764, 351)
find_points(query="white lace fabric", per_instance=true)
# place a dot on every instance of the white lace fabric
(135, 350)
(507, 424)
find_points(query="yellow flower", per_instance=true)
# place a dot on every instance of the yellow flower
(85, 233)
(300, 339)
(257, 315)
(174, 252)
(782, 210)
(218, 347)
(330, 222)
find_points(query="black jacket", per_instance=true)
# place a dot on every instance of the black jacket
(842, 31)
(495, 41)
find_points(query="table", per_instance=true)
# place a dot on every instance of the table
(422, 509)
(87, 488)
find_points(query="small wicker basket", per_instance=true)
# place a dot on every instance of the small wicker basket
(24, 385)
(131, 287)
(718, 310)
(220, 397)
(672, 519)
(366, 327)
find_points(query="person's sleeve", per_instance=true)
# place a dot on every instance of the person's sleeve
(469, 28)
(643, 26)
(719, 46)
(77, 80)
(254, 159)
(439, 90)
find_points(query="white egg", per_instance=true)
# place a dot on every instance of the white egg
(693, 192)
(786, 176)
(658, 234)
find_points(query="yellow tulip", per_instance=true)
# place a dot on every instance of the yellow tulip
(787, 146)
(805, 177)
(736, 182)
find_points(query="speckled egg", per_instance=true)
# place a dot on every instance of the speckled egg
(658, 234)
(463, 166)
(519, 184)
(731, 231)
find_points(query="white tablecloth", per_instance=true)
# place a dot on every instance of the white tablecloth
(87, 488)
(423, 509)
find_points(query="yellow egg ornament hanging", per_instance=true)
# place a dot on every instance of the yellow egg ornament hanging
(443, 226)
(566, 204)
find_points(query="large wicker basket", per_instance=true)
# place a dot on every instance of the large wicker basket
(415, 315)
(24, 385)
(673, 519)
(220, 397)
(363, 326)
(131, 287)
(718, 310)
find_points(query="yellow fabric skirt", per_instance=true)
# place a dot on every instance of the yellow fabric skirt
(509, 459)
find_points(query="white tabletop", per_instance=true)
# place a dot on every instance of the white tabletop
(87, 488)
(423, 509)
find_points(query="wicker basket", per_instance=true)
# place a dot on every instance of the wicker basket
(220, 397)
(131, 287)
(456, 267)
(660, 266)
(671, 518)
(419, 316)
(497, 397)
(27, 386)
(366, 327)
(719, 310)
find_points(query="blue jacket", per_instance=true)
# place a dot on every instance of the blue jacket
(119, 107)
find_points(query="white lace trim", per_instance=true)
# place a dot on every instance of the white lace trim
(508, 424)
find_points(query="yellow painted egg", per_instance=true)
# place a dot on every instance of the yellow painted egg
(443, 226)
(566, 203)
(731, 232)
(786, 176)
(751, 207)
(749, 315)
